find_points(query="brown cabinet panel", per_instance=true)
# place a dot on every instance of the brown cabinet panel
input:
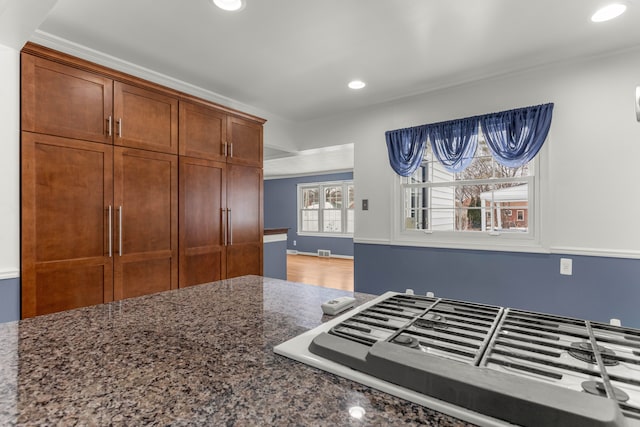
(203, 132)
(196, 268)
(67, 189)
(144, 277)
(70, 287)
(243, 259)
(65, 101)
(146, 209)
(245, 204)
(145, 119)
(245, 141)
(244, 201)
(202, 221)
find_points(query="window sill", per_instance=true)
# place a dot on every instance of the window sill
(503, 242)
(331, 235)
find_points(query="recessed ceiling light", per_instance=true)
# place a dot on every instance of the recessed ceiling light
(357, 84)
(230, 5)
(608, 12)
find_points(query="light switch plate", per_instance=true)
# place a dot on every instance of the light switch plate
(365, 204)
(566, 266)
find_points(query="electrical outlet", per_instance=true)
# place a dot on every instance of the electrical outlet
(294, 243)
(365, 204)
(566, 266)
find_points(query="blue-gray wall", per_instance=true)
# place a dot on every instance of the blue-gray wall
(9, 300)
(599, 289)
(281, 210)
(275, 260)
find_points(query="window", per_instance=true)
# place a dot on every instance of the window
(480, 200)
(326, 208)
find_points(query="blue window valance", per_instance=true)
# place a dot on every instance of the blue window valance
(454, 143)
(406, 148)
(514, 137)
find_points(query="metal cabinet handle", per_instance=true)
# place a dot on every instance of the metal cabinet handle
(224, 149)
(120, 231)
(223, 217)
(120, 127)
(110, 235)
(231, 149)
(230, 227)
(110, 125)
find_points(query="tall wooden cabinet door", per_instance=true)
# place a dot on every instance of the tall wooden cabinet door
(145, 119)
(203, 132)
(66, 246)
(64, 101)
(202, 221)
(146, 211)
(244, 139)
(245, 223)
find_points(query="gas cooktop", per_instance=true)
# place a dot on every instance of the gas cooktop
(485, 364)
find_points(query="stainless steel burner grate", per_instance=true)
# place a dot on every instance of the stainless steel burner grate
(511, 365)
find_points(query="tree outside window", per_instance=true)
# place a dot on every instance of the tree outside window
(485, 197)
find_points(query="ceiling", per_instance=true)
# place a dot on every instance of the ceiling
(294, 58)
(333, 159)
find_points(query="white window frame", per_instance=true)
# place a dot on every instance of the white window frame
(344, 210)
(530, 241)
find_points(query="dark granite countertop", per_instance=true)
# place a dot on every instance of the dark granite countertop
(270, 231)
(196, 356)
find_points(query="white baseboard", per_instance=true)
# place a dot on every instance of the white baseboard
(315, 254)
(9, 274)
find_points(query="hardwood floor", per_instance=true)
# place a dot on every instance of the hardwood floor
(334, 273)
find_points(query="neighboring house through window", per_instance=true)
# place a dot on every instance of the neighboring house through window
(486, 198)
(326, 208)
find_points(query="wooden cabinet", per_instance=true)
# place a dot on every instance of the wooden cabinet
(98, 223)
(244, 138)
(145, 119)
(220, 201)
(146, 210)
(65, 101)
(67, 188)
(244, 249)
(109, 209)
(203, 219)
(203, 132)
(220, 221)
(208, 133)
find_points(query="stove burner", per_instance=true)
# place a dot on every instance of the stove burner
(597, 388)
(583, 351)
(431, 321)
(406, 341)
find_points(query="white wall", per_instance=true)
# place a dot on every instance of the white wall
(590, 163)
(278, 133)
(9, 162)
